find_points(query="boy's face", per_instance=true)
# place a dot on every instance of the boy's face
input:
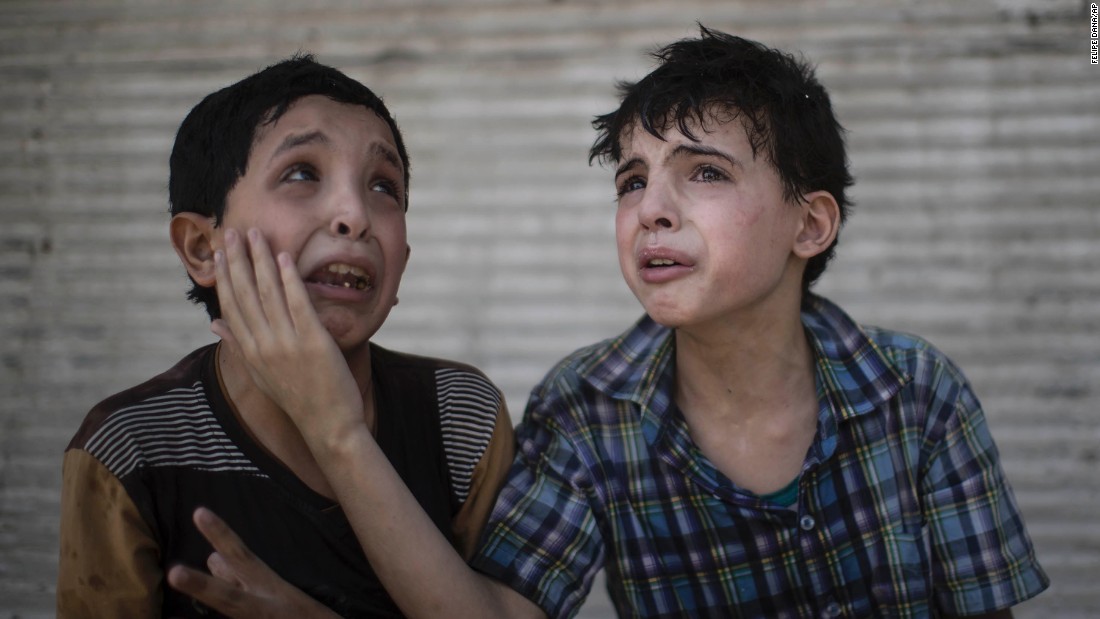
(704, 233)
(325, 184)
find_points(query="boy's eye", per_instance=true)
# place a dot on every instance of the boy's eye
(633, 183)
(299, 173)
(386, 187)
(710, 174)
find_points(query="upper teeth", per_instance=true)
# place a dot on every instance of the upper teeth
(362, 279)
(347, 268)
(661, 262)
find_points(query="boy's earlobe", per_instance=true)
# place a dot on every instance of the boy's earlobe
(820, 224)
(193, 239)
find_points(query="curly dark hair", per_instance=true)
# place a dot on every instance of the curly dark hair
(717, 78)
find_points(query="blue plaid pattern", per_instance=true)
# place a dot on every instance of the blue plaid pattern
(903, 509)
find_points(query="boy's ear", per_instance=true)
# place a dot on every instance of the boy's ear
(819, 224)
(193, 239)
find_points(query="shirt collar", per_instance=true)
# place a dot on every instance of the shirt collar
(852, 372)
(634, 365)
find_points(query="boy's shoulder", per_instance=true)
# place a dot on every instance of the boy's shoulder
(183, 379)
(617, 366)
(910, 353)
(845, 341)
(170, 418)
(385, 361)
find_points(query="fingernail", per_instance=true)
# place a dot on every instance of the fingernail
(219, 256)
(230, 237)
(253, 235)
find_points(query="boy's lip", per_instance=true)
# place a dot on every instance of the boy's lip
(647, 256)
(662, 264)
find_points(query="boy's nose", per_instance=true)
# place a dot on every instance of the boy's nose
(658, 209)
(343, 229)
(351, 217)
(660, 222)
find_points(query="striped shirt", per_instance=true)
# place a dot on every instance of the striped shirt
(902, 508)
(145, 458)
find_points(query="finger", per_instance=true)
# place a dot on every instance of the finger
(262, 593)
(243, 277)
(220, 568)
(224, 540)
(227, 296)
(268, 283)
(222, 596)
(231, 556)
(240, 577)
(299, 305)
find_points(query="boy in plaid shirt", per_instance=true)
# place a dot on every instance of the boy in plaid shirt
(745, 449)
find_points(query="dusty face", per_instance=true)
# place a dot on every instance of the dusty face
(703, 231)
(325, 185)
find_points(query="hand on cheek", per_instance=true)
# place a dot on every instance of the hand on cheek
(291, 357)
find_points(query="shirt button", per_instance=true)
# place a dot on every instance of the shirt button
(807, 522)
(832, 611)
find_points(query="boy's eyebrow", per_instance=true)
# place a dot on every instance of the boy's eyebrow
(384, 151)
(681, 151)
(626, 165)
(295, 140)
(701, 149)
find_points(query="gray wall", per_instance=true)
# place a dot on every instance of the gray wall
(975, 139)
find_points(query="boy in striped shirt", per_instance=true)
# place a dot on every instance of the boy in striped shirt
(301, 162)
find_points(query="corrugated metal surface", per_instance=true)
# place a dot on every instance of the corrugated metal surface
(975, 139)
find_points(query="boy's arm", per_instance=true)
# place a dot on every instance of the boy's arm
(983, 558)
(268, 313)
(109, 564)
(488, 477)
(241, 585)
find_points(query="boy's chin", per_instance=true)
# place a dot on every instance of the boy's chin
(349, 332)
(664, 311)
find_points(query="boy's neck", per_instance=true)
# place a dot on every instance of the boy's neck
(745, 369)
(269, 425)
(748, 395)
(758, 363)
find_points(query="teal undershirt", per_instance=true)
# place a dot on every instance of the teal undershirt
(785, 496)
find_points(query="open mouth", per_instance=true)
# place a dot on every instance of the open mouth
(660, 265)
(341, 276)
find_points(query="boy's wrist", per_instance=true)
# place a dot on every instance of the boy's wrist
(340, 444)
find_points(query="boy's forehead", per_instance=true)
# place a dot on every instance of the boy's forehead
(315, 113)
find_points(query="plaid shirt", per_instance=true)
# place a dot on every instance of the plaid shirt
(902, 511)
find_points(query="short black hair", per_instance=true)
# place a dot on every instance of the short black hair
(215, 139)
(719, 78)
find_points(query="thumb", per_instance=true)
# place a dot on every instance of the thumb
(220, 568)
